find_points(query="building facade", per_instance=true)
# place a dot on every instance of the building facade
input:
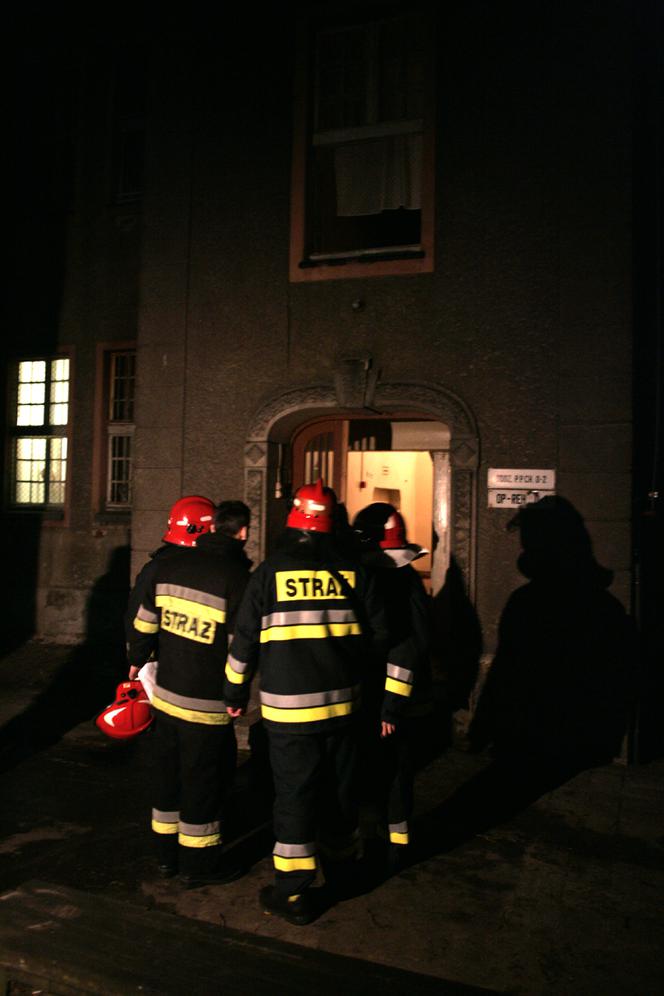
(389, 243)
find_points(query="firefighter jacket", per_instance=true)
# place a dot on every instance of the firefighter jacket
(308, 619)
(400, 683)
(187, 610)
(144, 579)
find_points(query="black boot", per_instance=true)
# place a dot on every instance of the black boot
(295, 909)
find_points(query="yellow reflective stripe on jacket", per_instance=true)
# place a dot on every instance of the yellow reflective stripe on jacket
(294, 864)
(234, 677)
(398, 838)
(192, 716)
(188, 607)
(400, 673)
(310, 632)
(236, 671)
(398, 687)
(191, 595)
(310, 715)
(188, 840)
(145, 627)
(309, 617)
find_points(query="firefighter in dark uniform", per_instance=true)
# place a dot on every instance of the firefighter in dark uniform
(307, 619)
(187, 609)
(189, 518)
(398, 696)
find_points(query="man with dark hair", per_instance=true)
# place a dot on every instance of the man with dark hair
(187, 609)
(231, 518)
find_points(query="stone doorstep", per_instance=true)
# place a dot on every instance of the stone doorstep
(72, 943)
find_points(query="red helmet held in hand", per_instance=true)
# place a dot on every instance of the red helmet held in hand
(189, 518)
(129, 715)
(313, 508)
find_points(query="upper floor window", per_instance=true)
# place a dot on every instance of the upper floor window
(129, 125)
(121, 366)
(39, 433)
(363, 156)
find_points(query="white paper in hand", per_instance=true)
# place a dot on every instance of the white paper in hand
(148, 677)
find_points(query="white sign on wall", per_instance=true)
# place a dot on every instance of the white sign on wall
(512, 487)
(540, 480)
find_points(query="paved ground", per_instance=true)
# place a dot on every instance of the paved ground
(562, 896)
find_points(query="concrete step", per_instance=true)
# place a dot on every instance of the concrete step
(63, 942)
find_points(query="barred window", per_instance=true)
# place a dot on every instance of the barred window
(39, 444)
(120, 428)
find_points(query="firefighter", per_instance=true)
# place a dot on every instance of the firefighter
(189, 518)
(306, 621)
(187, 607)
(398, 690)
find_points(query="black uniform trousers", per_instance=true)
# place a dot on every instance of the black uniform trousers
(193, 767)
(388, 766)
(315, 808)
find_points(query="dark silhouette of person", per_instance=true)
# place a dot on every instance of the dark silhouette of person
(559, 692)
(86, 681)
(457, 640)
(558, 689)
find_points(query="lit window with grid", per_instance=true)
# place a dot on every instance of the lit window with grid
(39, 446)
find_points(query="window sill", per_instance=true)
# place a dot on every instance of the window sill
(385, 263)
(113, 517)
(48, 515)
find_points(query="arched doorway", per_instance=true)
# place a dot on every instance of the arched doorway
(422, 419)
(399, 459)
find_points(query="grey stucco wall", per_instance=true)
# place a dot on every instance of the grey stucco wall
(526, 317)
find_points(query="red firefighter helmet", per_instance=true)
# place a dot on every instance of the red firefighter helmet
(128, 715)
(189, 517)
(381, 523)
(395, 532)
(313, 508)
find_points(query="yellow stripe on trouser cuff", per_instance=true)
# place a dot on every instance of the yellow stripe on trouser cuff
(294, 864)
(186, 840)
(234, 677)
(320, 632)
(208, 718)
(398, 687)
(398, 838)
(159, 827)
(145, 627)
(307, 715)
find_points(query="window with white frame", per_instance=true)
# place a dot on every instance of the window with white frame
(120, 428)
(39, 430)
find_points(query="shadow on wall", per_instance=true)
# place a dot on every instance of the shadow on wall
(648, 734)
(560, 691)
(87, 680)
(21, 547)
(457, 640)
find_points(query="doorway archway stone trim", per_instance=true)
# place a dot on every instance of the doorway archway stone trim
(275, 421)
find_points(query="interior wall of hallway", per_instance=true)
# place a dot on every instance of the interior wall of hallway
(526, 316)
